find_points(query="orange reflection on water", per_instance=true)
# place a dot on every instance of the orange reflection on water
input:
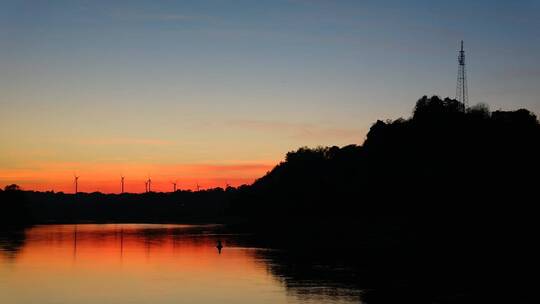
(134, 264)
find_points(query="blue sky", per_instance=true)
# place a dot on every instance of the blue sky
(241, 81)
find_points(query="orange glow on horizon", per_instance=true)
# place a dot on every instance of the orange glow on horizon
(105, 177)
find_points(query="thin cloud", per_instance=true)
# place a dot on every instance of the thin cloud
(170, 17)
(127, 141)
(158, 16)
(228, 168)
(298, 130)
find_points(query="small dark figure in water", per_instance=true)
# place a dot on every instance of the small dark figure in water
(219, 246)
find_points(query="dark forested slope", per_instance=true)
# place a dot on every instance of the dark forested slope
(441, 156)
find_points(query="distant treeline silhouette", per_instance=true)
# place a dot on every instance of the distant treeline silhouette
(28, 207)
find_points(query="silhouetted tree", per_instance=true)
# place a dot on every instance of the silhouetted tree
(12, 187)
(481, 111)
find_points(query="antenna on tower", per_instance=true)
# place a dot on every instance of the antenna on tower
(76, 183)
(462, 94)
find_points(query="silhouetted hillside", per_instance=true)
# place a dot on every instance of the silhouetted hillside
(439, 156)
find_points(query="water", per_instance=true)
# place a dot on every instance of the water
(141, 263)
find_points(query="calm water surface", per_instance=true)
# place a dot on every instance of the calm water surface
(142, 263)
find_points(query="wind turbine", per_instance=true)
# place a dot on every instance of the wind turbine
(122, 181)
(174, 185)
(76, 183)
(198, 187)
(149, 184)
(145, 186)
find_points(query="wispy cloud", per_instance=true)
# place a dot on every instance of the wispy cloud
(298, 130)
(126, 141)
(158, 16)
(227, 168)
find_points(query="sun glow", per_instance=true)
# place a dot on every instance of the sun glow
(106, 178)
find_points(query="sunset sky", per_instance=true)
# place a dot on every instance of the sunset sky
(216, 92)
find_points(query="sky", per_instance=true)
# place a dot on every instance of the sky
(216, 92)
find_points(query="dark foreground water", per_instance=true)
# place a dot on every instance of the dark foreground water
(154, 263)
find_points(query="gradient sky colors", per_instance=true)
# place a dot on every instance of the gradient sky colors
(217, 91)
